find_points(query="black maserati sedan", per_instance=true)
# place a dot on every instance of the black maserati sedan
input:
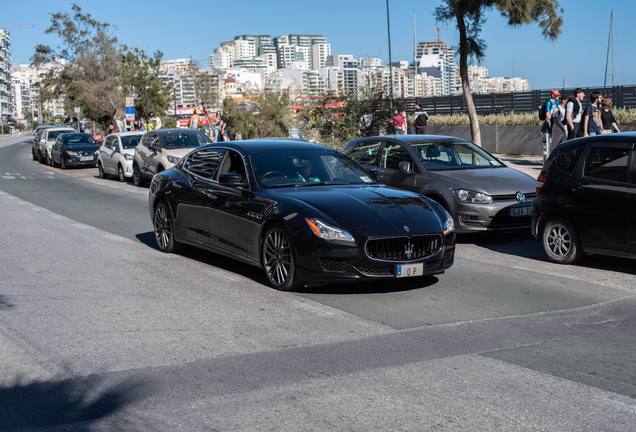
(305, 213)
(74, 149)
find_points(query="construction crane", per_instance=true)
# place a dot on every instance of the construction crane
(438, 29)
(6, 25)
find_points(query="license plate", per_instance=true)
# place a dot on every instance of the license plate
(86, 158)
(410, 270)
(520, 211)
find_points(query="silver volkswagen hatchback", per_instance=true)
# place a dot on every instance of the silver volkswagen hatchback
(476, 188)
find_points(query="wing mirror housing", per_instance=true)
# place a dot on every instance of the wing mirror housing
(153, 148)
(405, 167)
(231, 179)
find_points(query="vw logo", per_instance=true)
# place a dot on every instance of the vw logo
(520, 197)
(406, 228)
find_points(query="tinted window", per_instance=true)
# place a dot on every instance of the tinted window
(607, 163)
(186, 138)
(54, 134)
(366, 153)
(459, 155)
(567, 161)
(204, 163)
(73, 139)
(130, 141)
(145, 141)
(392, 155)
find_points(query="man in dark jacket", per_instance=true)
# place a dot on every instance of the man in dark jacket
(420, 118)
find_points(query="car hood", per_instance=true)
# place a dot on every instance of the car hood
(493, 181)
(82, 147)
(130, 151)
(180, 152)
(354, 207)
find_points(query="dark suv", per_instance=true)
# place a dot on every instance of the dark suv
(586, 201)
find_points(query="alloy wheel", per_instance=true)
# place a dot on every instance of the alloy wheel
(278, 259)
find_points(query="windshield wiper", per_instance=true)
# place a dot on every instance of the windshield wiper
(321, 183)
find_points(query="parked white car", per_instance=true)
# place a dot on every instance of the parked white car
(48, 139)
(117, 153)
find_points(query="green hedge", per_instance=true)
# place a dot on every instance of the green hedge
(624, 116)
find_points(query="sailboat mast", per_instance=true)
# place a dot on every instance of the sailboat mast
(612, 48)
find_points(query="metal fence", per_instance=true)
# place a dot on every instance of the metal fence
(496, 103)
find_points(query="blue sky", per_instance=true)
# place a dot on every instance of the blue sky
(184, 29)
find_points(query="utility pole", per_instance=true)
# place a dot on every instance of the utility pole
(388, 26)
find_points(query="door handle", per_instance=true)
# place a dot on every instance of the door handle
(210, 195)
(576, 188)
(177, 185)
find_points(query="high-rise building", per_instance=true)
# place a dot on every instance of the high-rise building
(349, 67)
(296, 50)
(6, 86)
(437, 55)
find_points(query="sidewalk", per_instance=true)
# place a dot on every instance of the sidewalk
(530, 165)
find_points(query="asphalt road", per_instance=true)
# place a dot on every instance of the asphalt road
(100, 331)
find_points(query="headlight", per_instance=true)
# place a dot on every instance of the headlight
(71, 153)
(173, 159)
(328, 232)
(128, 157)
(449, 224)
(473, 197)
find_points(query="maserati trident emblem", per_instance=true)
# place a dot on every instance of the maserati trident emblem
(406, 228)
(520, 197)
(408, 249)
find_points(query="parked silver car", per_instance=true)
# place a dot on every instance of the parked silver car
(476, 188)
(117, 153)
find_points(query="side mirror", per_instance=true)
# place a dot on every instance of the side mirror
(405, 167)
(152, 148)
(376, 173)
(231, 179)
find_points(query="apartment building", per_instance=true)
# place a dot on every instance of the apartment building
(6, 85)
(437, 55)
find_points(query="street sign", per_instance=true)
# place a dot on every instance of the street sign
(130, 102)
(77, 110)
(130, 110)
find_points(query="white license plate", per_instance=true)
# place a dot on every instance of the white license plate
(86, 158)
(520, 211)
(410, 270)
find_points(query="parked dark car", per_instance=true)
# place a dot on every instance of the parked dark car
(585, 199)
(476, 188)
(303, 212)
(37, 135)
(74, 149)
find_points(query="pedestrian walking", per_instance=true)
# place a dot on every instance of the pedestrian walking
(546, 129)
(574, 113)
(194, 120)
(119, 124)
(592, 124)
(224, 127)
(607, 117)
(217, 126)
(559, 128)
(420, 119)
(398, 123)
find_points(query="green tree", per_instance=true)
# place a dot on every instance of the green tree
(140, 77)
(469, 16)
(269, 117)
(90, 77)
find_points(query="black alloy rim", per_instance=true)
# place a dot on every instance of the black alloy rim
(163, 226)
(277, 257)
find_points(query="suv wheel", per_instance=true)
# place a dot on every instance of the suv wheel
(560, 241)
(138, 179)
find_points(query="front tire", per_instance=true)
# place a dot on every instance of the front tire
(164, 229)
(278, 258)
(138, 180)
(122, 175)
(100, 169)
(560, 241)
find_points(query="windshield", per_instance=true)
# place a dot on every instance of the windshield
(71, 140)
(299, 168)
(458, 155)
(130, 141)
(185, 139)
(52, 136)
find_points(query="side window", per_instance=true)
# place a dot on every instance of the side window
(145, 141)
(204, 163)
(108, 142)
(366, 152)
(567, 161)
(233, 163)
(392, 155)
(154, 140)
(607, 163)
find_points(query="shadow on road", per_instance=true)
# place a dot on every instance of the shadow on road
(48, 404)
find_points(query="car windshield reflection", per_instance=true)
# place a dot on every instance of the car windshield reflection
(183, 139)
(438, 156)
(305, 168)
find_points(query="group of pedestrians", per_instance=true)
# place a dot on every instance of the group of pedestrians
(217, 126)
(401, 123)
(567, 119)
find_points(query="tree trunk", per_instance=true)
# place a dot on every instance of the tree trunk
(463, 72)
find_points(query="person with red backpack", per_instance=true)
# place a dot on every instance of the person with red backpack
(545, 113)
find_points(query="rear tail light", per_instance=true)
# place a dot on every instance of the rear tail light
(540, 182)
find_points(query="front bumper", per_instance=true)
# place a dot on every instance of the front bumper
(75, 160)
(490, 217)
